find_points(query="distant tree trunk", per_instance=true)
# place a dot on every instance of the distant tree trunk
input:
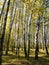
(18, 43)
(46, 45)
(25, 51)
(45, 39)
(10, 28)
(43, 35)
(29, 24)
(28, 53)
(12, 45)
(25, 47)
(37, 41)
(2, 9)
(33, 43)
(18, 36)
(3, 33)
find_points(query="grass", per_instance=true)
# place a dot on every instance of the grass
(11, 58)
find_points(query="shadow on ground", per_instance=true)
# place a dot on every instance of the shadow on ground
(13, 60)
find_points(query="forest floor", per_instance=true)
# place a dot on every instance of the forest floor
(11, 59)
